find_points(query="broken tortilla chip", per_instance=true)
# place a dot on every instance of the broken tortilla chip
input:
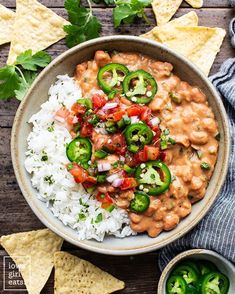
(195, 3)
(33, 253)
(75, 275)
(198, 46)
(165, 9)
(188, 19)
(36, 27)
(7, 18)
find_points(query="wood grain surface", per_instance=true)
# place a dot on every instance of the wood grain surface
(140, 273)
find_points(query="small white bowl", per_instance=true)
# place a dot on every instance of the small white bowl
(225, 266)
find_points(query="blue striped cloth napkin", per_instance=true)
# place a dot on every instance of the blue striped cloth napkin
(217, 229)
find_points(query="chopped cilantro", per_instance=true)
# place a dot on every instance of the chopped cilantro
(49, 179)
(81, 217)
(99, 218)
(205, 166)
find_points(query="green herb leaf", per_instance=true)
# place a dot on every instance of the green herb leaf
(9, 82)
(107, 2)
(84, 26)
(24, 85)
(31, 62)
(127, 10)
(205, 166)
(99, 218)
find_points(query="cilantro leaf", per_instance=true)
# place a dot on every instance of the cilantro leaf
(31, 62)
(127, 10)
(25, 84)
(107, 2)
(84, 25)
(9, 82)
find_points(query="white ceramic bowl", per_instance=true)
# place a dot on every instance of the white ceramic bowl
(225, 266)
(65, 64)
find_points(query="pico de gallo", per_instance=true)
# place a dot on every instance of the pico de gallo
(142, 139)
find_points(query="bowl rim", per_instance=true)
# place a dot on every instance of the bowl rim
(189, 253)
(33, 205)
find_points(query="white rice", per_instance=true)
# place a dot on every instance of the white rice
(67, 200)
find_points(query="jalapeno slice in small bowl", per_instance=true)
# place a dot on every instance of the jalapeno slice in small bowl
(188, 273)
(79, 150)
(140, 86)
(176, 285)
(214, 282)
(140, 203)
(111, 76)
(154, 176)
(137, 135)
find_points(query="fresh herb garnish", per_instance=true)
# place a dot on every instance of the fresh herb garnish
(84, 25)
(127, 10)
(49, 179)
(166, 140)
(16, 79)
(81, 217)
(99, 218)
(205, 166)
(107, 2)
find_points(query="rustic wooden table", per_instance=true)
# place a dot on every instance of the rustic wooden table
(140, 273)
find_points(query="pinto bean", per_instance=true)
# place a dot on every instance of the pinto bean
(197, 95)
(80, 69)
(171, 220)
(198, 137)
(209, 125)
(135, 218)
(102, 58)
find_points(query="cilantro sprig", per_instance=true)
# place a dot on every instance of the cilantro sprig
(107, 2)
(127, 10)
(16, 79)
(84, 25)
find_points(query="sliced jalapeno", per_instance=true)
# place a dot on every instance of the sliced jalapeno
(215, 283)
(176, 285)
(205, 267)
(187, 273)
(101, 154)
(140, 203)
(137, 135)
(192, 264)
(140, 86)
(110, 78)
(79, 150)
(154, 176)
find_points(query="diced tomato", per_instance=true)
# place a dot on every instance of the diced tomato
(134, 110)
(71, 119)
(91, 180)
(62, 113)
(146, 113)
(78, 108)
(157, 130)
(118, 144)
(162, 155)
(140, 157)
(151, 152)
(80, 174)
(116, 116)
(86, 130)
(128, 183)
(105, 199)
(98, 101)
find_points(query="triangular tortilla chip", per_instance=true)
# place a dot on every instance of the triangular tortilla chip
(78, 276)
(7, 18)
(188, 19)
(195, 3)
(198, 46)
(36, 27)
(33, 253)
(165, 9)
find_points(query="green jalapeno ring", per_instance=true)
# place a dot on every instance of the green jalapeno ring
(215, 280)
(108, 88)
(79, 150)
(140, 203)
(140, 92)
(137, 135)
(205, 267)
(176, 284)
(187, 273)
(154, 190)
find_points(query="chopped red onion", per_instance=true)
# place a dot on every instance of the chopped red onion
(117, 183)
(75, 120)
(155, 121)
(112, 178)
(59, 119)
(104, 166)
(110, 105)
(122, 158)
(134, 119)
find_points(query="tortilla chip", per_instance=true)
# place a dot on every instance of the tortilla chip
(188, 19)
(198, 47)
(195, 3)
(33, 253)
(165, 9)
(7, 18)
(36, 27)
(75, 275)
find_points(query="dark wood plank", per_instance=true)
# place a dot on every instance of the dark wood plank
(60, 3)
(208, 17)
(140, 272)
